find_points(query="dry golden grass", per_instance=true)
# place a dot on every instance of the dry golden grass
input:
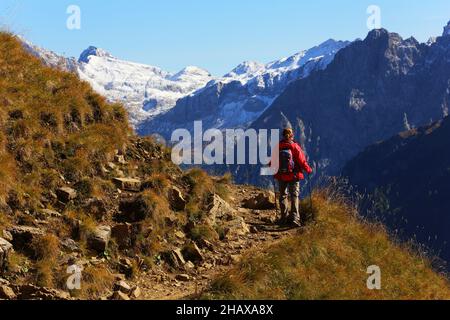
(329, 261)
(46, 250)
(50, 121)
(18, 262)
(155, 226)
(201, 187)
(158, 182)
(96, 281)
(203, 231)
(7, 175)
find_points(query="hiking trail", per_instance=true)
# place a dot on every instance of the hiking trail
(157, 284)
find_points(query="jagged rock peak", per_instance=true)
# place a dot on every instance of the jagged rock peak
(446, 30)
(384, 35)
(93, 51)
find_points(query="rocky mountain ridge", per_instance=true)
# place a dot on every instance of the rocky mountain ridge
(238, 98)
(406, 182)
(373, 89)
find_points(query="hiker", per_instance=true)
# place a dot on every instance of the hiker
(291, 165)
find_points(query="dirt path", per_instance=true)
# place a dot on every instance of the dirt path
(159, 285)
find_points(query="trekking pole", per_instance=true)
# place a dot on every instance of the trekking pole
(313, 214)
(275, 191)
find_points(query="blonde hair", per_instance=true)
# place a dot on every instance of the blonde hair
(288, 133)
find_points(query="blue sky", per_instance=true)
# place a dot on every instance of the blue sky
(215, 35)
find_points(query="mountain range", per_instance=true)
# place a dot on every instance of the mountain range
(372, 90)
(145, 90)
(241, 96)
(149, 93)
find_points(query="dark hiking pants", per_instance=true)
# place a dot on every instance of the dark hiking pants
(290, 191)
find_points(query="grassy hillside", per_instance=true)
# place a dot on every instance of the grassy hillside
(50, 123)
(56, 132)
(329, 260)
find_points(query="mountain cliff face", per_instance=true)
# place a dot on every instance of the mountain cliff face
(146, 90)
(372, 90)
(149, 92)
(242, 95)
(408, 178)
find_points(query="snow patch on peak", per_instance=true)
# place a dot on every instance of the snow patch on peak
(146, 91)
(242, 95)
(250, 71)
(288, 63)
(93, 51)
(246, 68)
(190, 72)
(431, 41)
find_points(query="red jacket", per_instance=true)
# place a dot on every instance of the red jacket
(301, 165)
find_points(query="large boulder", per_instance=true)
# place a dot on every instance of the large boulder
(99, 239)
(263, 201)
(221, 213)
(66, 194)
(128, 184)
(191, 252)
(176, 199)
(24, 236)
(122, 234)
(122, 286)
(219, 209)
(5, 249)
(235, 228)
(174, 258)
(70, 245)
(134, 209)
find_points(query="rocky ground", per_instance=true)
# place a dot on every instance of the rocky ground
(216, 258)
(184, 267)
(83, 198)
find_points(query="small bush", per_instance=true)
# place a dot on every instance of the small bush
(97, 280)
(203, 232)
(200, 183)
(157, 182)
(85, 188)
(46, 251)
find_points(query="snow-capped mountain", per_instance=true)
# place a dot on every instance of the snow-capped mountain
(251, 71)
(242, 95)
(158, 100)
(145, 90)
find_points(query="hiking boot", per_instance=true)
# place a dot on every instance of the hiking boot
(298, 223)
(283, 222)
